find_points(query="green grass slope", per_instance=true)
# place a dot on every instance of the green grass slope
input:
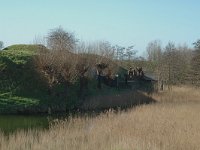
(19, 84)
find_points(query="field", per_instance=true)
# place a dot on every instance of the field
(170, 123)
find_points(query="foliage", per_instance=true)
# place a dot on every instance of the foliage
(196, 64)
(1, 45)
(17, 74)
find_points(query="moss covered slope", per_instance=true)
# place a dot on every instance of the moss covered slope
(20, 87)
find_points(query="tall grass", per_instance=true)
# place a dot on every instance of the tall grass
(170, 124)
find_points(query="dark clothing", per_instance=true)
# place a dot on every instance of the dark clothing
(130, 74)
(83, 83)
(99, 78)
(126, 79)
(134, 73)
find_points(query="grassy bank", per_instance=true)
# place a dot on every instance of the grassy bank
(16, 76)
(172, 123)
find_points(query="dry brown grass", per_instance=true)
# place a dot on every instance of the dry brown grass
(179, 94)
(171, 124)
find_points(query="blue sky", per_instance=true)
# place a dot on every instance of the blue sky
(122, 22)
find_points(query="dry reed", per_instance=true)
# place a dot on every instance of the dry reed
(170, 124)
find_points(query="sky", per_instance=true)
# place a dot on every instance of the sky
(121, 22)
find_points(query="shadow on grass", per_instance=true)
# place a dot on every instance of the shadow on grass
(120, 101)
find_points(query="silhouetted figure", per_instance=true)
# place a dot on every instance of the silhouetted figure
(134, 73)
(140, 71)
(83, 79)
(130, 73)
(162, 86)
(108, 78)
(99, 77)
(109, 73)
(126, 78)
(100, 68)
(116, 80)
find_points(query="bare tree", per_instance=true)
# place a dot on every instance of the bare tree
(91, 54)
(183, 64)
(119, 52)
(63, 67)
(56, 67)
(39, 40)
(101, 48)
(154, 51)
(172, 64)
(176, 64)
(169, 59)
(155, 59)
(130, 53)
(59, 39)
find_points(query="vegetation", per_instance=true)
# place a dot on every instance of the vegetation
(62, 77)
(1, 45)
(19, 84)
(196, 63)
(12, 123)
(171, 123)
(173, 65)
(34, 79)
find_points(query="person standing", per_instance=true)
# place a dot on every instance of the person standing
(99, 77)
(130, 73)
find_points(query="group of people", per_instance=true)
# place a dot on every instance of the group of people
(132, 73)
(101, 78)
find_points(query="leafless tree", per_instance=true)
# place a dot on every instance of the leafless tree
(39, 40)
(59, 39)
(154, 51)
(91, 54)
(169, 60)
(183, 64)
(119, 52)
(58, 64)
(155, 59)
(130, 52)
(176, 63)
(57, 67)
(63, 67)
